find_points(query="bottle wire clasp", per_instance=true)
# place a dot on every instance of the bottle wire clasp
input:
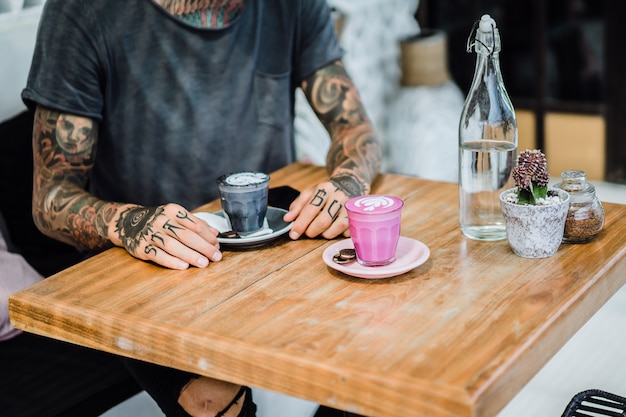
(472, 41)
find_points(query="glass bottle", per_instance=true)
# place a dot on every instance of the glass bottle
(487, 139)
(585, 216)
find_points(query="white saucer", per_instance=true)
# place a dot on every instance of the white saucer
(410, 254)
(275, 222)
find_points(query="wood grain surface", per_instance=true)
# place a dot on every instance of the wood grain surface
(458, 336)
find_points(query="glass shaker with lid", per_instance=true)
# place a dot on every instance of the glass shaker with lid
(585, 217)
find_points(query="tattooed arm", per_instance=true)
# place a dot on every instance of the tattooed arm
(64, 149)
(353, 160)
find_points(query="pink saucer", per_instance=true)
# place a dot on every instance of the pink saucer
(410, 254)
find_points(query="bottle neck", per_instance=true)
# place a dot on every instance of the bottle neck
(487, 71)
(488, 104)
(487, 113)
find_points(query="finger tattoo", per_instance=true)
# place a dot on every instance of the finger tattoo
(318, 199)
(183, 215)
(150, 249)
(155, 236)
(333, 209)
(171, 228)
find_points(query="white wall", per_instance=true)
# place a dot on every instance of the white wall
(18, 27)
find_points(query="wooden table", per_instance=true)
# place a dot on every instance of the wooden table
(458, 336)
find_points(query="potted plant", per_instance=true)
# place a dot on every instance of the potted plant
(534, 213)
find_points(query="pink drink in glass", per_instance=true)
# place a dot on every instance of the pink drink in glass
(375, 228)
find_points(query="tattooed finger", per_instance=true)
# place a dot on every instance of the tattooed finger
(172, 228)
(156, 236)
(318, 198)
(183, 215)
(150, 250)
(333, 209)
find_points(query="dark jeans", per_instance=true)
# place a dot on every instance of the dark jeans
(165, 384)
(42, 377)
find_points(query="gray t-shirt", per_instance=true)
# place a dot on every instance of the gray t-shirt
(179, 105)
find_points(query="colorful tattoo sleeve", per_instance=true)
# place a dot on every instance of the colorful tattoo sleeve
(63, 153)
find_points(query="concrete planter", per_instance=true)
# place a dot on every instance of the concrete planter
(535, 231)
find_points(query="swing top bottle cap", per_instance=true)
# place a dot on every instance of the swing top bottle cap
(487, 24)
(487, 37)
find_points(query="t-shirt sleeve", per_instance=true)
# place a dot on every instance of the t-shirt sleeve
(318, 44)
(65, 73)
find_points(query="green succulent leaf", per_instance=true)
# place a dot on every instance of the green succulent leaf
(526, 197)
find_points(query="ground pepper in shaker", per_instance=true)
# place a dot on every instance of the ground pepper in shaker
(585, 217)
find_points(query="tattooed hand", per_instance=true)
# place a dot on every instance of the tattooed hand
(168, 235)
(320, 210)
